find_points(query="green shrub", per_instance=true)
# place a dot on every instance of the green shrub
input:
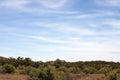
(1, 70)
(34, 73)
(105, 70)
(89, 70)
(22, 72)
(8, 68)
(47, 73)
(112, 75)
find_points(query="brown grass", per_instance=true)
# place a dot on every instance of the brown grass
(13, 77)
(93, 77)
(87, 77)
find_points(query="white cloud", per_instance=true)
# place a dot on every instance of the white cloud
(113, 23)
(75, 44)
(79, 30)
(77, 48)
(53, 4)
(108, 2)
(95, 14)
(65, 28)
(46, 39)
(14, 3)
(38, 7)
(75, 40)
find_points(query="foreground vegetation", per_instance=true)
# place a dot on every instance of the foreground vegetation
(26, 69)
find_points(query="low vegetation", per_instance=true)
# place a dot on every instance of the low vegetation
(25, 69)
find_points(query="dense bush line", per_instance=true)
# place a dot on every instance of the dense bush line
(59, 69)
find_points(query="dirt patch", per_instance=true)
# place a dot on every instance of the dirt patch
(13, 77)
(93, 77)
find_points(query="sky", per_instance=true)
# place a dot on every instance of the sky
(71, 30)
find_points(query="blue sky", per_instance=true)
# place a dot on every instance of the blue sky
(72, 30)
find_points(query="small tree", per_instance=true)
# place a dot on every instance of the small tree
(8, 68)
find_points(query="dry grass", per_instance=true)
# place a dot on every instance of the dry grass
(87, 77)
(13, 77)
(93, 77)
(72, 77)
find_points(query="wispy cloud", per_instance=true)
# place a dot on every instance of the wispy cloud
(75, 46)
(108, 2)
(38, 7)
(112, 23)
(46, 39)
(65, 28)
(95, 14)
(81, 30)
(53, 4)
(60, 28)
(14, 3)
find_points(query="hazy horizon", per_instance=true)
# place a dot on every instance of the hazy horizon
(71, 30)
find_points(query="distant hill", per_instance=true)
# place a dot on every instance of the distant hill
(3, 59)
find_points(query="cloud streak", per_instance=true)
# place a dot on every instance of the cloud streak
(65, 28)
(113, 3)
(14, 3)
(60, 29)
(53, 4)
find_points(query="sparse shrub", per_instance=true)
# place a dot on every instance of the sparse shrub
(62, 68)
(61, 75)
(47, 73)
(32, 72)
(89, 70)
(74, 70)
(22, 72)
(8, 68)
(105, 70)
(1, 70)
(112, 75)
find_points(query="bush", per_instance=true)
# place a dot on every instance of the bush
(1, 70)
(89, 70)
(47, 73)
(34, 73)
(8, 68)
(112, 75)
(105, 70)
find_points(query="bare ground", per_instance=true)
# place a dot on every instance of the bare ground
(13, 77)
